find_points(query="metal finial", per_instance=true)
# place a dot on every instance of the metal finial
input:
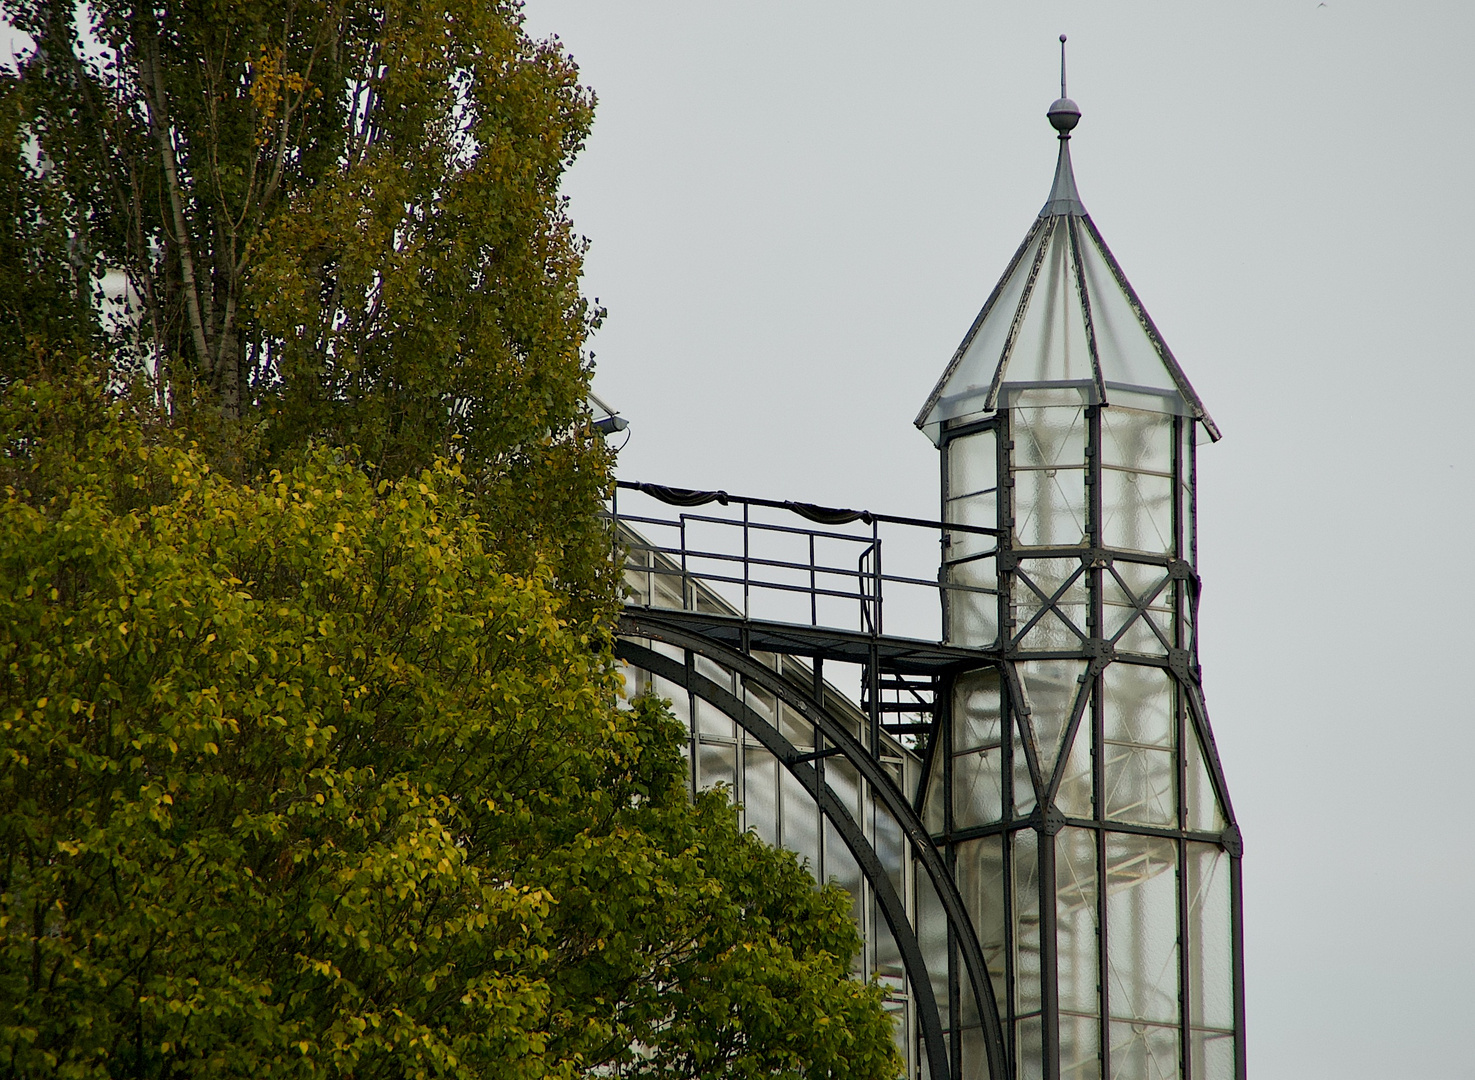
(1064, 114)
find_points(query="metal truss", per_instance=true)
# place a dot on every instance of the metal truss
(1098, 612)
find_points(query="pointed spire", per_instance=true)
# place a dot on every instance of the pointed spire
(1062, 321)
(1064, 199)
(1064, 114)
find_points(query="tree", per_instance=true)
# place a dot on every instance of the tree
(337, 221)
(299, 781)
(313, 758)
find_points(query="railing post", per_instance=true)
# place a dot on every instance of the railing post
(813, 585)
(686, 603)
(746, 570)
(876, 547)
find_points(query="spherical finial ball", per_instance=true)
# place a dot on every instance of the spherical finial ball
(1062, 39)
(1064, 115)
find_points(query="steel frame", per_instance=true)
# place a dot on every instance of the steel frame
(911, 668)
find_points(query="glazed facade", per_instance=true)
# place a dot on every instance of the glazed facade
(1023, 797)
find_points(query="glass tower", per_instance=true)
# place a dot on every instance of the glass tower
(1076, 789)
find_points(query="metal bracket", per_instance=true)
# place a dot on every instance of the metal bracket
(1050, 822)
(1231, 841)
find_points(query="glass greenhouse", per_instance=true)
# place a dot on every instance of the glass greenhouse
(1002, 754)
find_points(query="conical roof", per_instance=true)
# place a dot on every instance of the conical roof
(1064, 321)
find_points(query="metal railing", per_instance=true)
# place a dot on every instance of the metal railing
(783, 561)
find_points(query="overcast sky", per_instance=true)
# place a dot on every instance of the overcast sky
(797, 209)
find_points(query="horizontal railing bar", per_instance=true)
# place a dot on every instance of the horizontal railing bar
(753, 560)
(763, 526)
(791, 507)
(864, 577)
(775, 586)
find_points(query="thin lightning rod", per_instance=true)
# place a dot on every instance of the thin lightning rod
(1062, 67)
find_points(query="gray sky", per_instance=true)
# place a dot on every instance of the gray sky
(796, 210)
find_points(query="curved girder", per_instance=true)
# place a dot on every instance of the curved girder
(894, 800)
(851, 833)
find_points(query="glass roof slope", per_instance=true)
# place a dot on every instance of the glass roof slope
(1065, 322)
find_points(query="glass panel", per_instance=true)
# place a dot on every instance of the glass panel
(1029, 1049)
(896, 1011)
(1080, 1054)
(1050, 688)
(795, 728)
(886, 962)
(713, 721)
(886, 841)
(975, 1052)
(1136, 511)
(978, 788)
(977, 710)
(1211, 1055)
(761, 702)
(1051, 343)
(973, 617)
(1139, 785)
(1025, 844)
(1048, 575)
(1024, 788)
(717, 764)
(980, 875)
(1050, 507)
(760, 793)
(1186, 506)
(1047, 437)
(668, 589)
(967, 387)
(1210, 955)
(1137, 440)
(1050, 633)
(1140, 769)
(637, 578)
(932, 939)
(1139, 705)
(932, 807)
(710, 669)
(1073, 797)
(843, 870)
(844, 782)
(1075, 914)
(1144, 1052)
(973, 465)
(800, 821)
(1142, 928)
(677, 696)
(978, 510)
(1119, 607)
(1204, 814)
(1128, 356)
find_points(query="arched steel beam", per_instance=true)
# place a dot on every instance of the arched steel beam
(839, 816)
(894, 800)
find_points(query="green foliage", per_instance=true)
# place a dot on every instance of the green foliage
(311, 757)
(338, 222)
(300, 780)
